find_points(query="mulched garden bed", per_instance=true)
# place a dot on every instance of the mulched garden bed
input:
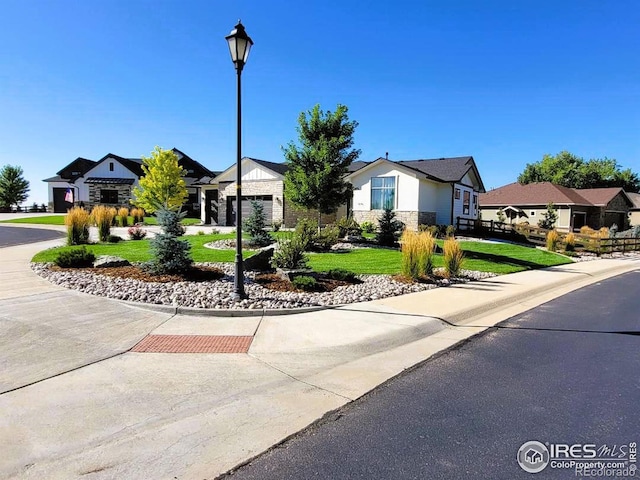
(197, 273)
(274, 282)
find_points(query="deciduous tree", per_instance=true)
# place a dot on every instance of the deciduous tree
(315, 178)
(162, 184)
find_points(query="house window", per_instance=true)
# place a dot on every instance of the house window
(111, 166)
(532, 213)
(108, 196)
(465, 203)
(457, 194)
(475, 204)
(383, 193)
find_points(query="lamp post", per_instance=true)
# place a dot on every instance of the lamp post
(239, 46)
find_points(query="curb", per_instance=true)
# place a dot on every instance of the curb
(229, 312)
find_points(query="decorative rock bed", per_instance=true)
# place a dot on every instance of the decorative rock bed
(217, 294)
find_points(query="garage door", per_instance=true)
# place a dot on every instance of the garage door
(247, 209)
(60, 205)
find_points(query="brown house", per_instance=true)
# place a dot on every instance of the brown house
(595, 207)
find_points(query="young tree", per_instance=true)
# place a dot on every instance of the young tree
(13, 186)
(163, 184)
(317, 167)
(255, 225)
(549, 217)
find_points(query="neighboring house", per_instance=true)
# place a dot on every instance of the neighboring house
(262, 181)
(421, 192)
(110, 181)
(595, 207)
(634, 212)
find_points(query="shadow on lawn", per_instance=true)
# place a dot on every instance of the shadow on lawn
(504, 260)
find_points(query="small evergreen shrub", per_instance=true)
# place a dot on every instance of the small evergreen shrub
(289, 254)
(123, 216)
(305, 283)
(389, 229)
(453, 257)
(200, 232)
(114, 239)
(75, 258)
(276, 226)
(549, 217)
(368, 227)
(552, 240)
(170, 255)
(215, 231)
(136, 233)
(341, 274)
(256, 226)
(102, 217)
(77, 221)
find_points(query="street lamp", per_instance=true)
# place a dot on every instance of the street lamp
(239, 46)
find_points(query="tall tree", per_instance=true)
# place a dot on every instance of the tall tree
(569, 170)
(162, 184)
(13, 186)
(318, 165)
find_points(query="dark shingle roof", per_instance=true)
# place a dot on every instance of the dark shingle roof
(635, 198)
(76, 169)
(532, 194)
(444, 169)
(280, 168)
(355, 166)
(600, 196)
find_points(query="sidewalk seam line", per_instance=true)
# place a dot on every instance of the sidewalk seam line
(299, 380)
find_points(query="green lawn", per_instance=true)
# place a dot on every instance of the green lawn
(485, 257)
(59, 220)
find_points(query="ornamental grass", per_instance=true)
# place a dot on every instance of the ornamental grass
(417, 254)
(453, 257)
(102, 217)
(552, 240)
(123, 215)
(77, 221)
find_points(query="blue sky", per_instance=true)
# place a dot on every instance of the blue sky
(504, 81)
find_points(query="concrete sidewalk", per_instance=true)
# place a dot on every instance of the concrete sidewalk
(79, 403)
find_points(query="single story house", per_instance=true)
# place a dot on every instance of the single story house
(595, 207)
(421, 192)
(262, 181)
(110, 181)
(634, 212)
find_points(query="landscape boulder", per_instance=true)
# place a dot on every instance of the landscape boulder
(106, 261)
(261, 261)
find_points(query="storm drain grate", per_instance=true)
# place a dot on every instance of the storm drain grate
(194, 344)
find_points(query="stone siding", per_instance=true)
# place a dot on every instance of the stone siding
(410, 218)
(124, 195)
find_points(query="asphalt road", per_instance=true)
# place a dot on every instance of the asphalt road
(10, 236)
(556, 374)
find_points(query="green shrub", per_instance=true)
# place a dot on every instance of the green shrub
(114, 239)
(276, 226)
(450, 231)
(327, 238)
(170, 255)
(348, 226)
(549, 217)
(341, 274)
(389, 229)
(255, 225)
(368, 227)
(75, 258)
(304, 282)
(77, 221)
(306, 231)
(453, 257)
(289, 254)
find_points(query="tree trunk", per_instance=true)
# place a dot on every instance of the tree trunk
(319, 219)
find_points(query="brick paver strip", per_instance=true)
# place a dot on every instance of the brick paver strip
(194, 344)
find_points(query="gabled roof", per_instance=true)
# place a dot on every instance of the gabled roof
(533, 194)
(189, 163)
(445, 170)
(357, 165)
(279, 168)
(635, 198)
(602, 196)
(132, 164)
(75, 169)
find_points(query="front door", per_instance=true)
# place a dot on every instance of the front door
(211, 207)
(578, 220)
